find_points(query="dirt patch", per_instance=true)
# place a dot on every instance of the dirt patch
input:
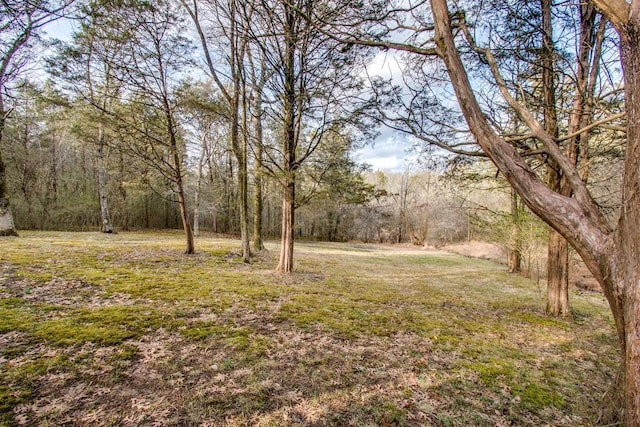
(477, 249)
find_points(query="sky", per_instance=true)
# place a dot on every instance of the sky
(390, 152)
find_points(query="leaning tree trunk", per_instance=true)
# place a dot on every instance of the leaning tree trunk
(184, 215)
(177, 169)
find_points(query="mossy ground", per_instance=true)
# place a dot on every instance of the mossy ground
(126, 330)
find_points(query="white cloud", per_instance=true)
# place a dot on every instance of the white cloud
(391, 151)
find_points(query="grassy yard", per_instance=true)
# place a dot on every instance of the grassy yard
(124, 329)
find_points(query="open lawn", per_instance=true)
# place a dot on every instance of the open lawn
(124, 329)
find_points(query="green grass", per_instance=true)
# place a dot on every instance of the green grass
(125, 329)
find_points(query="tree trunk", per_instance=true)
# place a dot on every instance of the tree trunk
(258, 243)
(106, 226)
(558, 275)
(7, 227)
(243, 201)
(515, 251)
(177, 170)
(196, 201)
(626, 266)
(240, 148)
(184, 216)
(557, 248)
(258, 206)
(285, 265)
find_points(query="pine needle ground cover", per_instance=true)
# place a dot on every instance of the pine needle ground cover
(126, 330)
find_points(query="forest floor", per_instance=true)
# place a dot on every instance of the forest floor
(124, 329)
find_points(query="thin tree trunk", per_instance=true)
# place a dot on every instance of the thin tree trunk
(106, 226)
(240, 150)
(7, 227)
(240, 144)
(177, 169)
(257, 87)
(515, 250)
(182, 201)
(196, 202)
(258, 203)
(243, 201)
(184, 216)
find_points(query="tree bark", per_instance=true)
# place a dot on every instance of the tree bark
(625, 266)
(238, 45)
(7, 227)
(243, 201)
(258, 203)
(285, 264)
(558, 275)
(184, 216)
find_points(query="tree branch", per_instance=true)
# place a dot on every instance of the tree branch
(593, 125)
(617, 11)
(580, 223)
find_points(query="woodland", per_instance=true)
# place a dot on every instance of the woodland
(239, 123)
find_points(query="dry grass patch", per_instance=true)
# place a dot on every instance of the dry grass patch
(126, 330)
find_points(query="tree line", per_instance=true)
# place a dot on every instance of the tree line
(243, 106)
